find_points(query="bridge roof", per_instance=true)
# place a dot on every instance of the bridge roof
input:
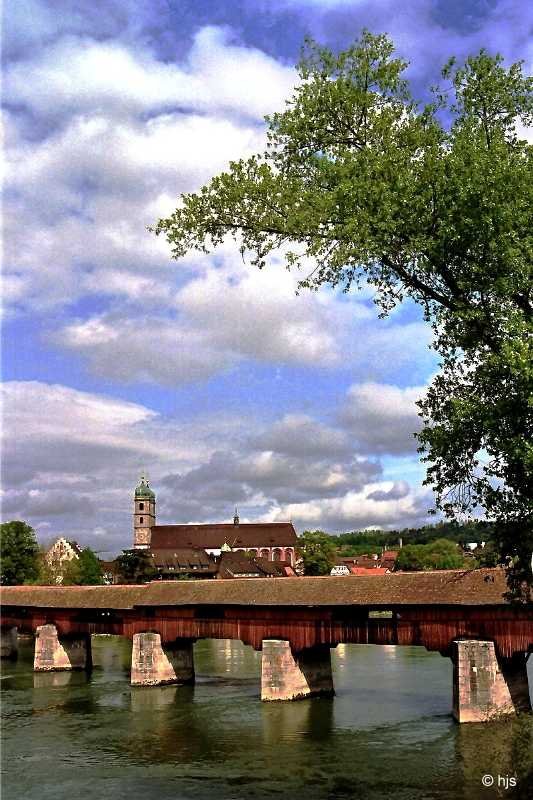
(451, 587)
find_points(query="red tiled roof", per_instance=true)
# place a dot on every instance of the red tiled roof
(212, 537)
(369, 570)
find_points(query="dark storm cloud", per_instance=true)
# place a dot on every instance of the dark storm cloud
(299, 435)
(237, 477)
(382, 418)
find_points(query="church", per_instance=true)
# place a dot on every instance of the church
(274, 541)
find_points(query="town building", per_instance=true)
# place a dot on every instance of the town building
(62, 550)
(367, 564)
(59, 555)
(269, 541)
(187, 562)
(340, 569)
(240, 565)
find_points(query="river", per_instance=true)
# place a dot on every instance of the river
(387, 733)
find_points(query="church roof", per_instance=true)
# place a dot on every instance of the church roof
(213, 536)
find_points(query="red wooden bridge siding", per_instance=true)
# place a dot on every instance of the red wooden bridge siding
(429, 608)
(511, 628)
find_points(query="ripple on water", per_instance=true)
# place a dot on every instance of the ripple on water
(381, 736)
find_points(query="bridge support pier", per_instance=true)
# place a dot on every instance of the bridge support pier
(291, 676)
(66, 653)
(154, 664)
(486, 687)
(9, 643)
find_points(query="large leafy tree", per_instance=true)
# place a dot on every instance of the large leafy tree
(317, 551)
(135, 566)
(440, 554)
(432, 204)
(90, 568)
(19, 553)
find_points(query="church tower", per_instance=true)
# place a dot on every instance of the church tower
(143, 514)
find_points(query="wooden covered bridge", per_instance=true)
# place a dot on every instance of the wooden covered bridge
(294, 622)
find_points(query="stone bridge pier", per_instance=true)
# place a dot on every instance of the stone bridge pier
(54, 653)
(286, 675)
(486, 686)
(155, 664)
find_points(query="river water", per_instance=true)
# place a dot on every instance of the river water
(387, 733)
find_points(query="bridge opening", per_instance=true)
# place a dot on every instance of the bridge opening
(386, 614)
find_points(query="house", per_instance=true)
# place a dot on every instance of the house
(195, 563)
(273, 541)
(110, 572)
(340, 569)
(62, 550)
(388, 559)
(171, 564)
(59, 555)
(239, 565)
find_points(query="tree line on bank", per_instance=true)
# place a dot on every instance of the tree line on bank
(23, 561)
(439, 546)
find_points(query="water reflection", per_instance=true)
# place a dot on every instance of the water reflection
(222, 657)
(51, 680)
(289, 722)
(501, 750)
(387, 733)
(152, 698)
(390, 651)
(111, 653)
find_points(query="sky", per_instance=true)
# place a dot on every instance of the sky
(208, 374)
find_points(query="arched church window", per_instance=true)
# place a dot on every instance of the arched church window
(141, 520)
(141, 506)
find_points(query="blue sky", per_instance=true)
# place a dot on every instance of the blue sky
(215, 377)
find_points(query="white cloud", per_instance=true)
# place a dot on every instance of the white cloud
(382, 418)
(108, 171)
(129, 134)
(360, 509)
(71, 459)
(99, 185)
(226, 313)
(78, 75)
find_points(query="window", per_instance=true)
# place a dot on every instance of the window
(276, 556)
(141, 506)
(141, 520)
